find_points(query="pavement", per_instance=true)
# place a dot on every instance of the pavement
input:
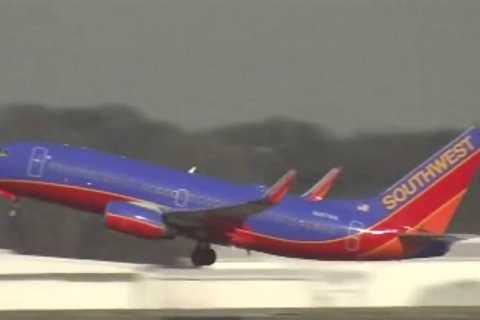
(447, 313)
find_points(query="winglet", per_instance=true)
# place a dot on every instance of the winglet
(320, 190)
(280, 189)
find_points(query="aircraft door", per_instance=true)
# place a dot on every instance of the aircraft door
(353, 242)
(181, 198)
(36, 164)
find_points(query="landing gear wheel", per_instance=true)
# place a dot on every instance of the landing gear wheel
(203, 257)
(14, 210)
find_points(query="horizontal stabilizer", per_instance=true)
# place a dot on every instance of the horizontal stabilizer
(446, 237)
(320, 190)
(426, 245)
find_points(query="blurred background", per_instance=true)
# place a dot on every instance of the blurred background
(241, 89)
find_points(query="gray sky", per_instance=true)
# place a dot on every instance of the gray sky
(348, 65)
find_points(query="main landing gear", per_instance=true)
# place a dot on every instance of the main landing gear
(203, 255)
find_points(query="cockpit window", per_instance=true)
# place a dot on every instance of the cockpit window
(3, 153)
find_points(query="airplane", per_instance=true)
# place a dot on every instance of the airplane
(407, 220)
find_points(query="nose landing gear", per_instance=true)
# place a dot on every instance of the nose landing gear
(14, 209)
(203, 255)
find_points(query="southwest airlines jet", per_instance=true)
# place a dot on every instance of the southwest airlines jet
(407, 220)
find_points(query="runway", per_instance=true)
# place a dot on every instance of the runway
(449, 313)
(260, 287)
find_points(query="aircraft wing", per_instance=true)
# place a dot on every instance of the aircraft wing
(236, 212)
(320, 190)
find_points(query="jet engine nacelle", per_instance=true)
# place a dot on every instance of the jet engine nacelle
(137, 221)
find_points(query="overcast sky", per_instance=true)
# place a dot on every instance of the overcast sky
(357, 65)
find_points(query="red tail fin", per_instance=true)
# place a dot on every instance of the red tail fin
(428, 197)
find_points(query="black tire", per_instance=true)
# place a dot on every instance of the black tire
(205, 257)
(210, 257)
(196, 258)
